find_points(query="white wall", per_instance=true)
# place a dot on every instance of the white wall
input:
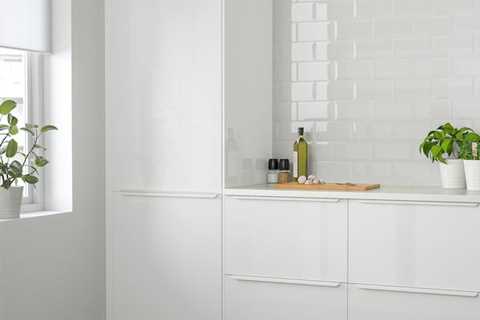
(368, 79)
(53, 268)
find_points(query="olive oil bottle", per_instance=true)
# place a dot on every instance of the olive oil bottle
(300, 155)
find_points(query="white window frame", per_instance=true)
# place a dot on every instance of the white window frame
(33, 113)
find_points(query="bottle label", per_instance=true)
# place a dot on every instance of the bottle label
(295, 164)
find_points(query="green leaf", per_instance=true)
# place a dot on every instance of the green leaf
(12, 120)
(7, 106)
(38, 146)
(30, 179)
(13, 130)
(16, 169)
(11, 149)
(4, 127)
(48, 128)
(28, 130)
(41, 162)
(447, 146)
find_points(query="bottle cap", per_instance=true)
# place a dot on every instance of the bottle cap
(273, 164)
(301, 131)
(284, 165)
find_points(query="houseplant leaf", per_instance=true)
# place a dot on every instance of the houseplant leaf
(11, 149)
(7, 106)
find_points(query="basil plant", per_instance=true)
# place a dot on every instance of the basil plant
(15, 164)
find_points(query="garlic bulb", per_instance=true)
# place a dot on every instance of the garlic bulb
(302, 180)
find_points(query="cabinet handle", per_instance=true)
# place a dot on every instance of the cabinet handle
(285, 199)
(467, 294)
(167, 194)
(286, 281)
(423, 203)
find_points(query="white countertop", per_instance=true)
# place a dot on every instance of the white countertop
(392, 193)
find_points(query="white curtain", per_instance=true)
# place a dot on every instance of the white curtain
(25, 24)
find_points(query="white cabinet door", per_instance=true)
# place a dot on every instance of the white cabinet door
(165, 259)
(266, 299)
(368, 302)
(164, 94)
(426, 245)
(286, 238)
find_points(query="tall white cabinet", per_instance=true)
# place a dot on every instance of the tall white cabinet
(164, 145)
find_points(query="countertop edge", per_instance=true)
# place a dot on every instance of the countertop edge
(388, 193)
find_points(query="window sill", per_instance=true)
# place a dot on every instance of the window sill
(35, 215)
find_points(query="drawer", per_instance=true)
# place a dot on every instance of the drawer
(426, 245)
(400, 303)
(269, 299)
(286, 238)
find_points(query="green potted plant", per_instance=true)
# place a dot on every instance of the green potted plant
(470, 153)
(443, 145)
(17, 165)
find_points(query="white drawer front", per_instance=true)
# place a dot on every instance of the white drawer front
(252, 300)
(400, 303)
(415, 245)
(287, 239)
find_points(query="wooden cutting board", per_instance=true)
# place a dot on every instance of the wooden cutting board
(328, 186)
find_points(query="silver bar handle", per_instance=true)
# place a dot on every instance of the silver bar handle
(270, 198)
(437, 292)
(168, 194)
(422, 203)
(311, 283)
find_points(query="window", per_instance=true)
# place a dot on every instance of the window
(20, 80)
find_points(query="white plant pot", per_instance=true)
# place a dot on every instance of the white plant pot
(453, 174)
(472, 174)
(10, 202)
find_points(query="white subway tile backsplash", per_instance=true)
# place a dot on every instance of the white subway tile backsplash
(374, 8)
(389, 28)
(374, 49)
(340, 50)
(341, 90)
(348, 30)
(315, 71)
(314, 110)
(314, 31)
(302, 12)
(303, 51)
(369, 78)
(413, 7)
(352, 69)
(302, 91)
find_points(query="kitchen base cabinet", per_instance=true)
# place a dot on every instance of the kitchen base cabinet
(249, 298)
(411, 244)
(286, 238)
(367, 302)
(165, 258)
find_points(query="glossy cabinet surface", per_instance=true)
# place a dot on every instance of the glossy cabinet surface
(375, 303)
(425, 245)
(252, 300)
(165, 259)
(286, 238)
(164, 94)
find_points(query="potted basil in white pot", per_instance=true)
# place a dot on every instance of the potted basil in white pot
(18, 166)
(443, 145)
(471, 156)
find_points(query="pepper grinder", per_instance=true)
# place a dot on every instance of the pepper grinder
(284, 175)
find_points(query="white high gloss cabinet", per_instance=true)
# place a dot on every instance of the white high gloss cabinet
(164, 94)
(271, 299)
(286, 238)
(166, 256)
(425, 245)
